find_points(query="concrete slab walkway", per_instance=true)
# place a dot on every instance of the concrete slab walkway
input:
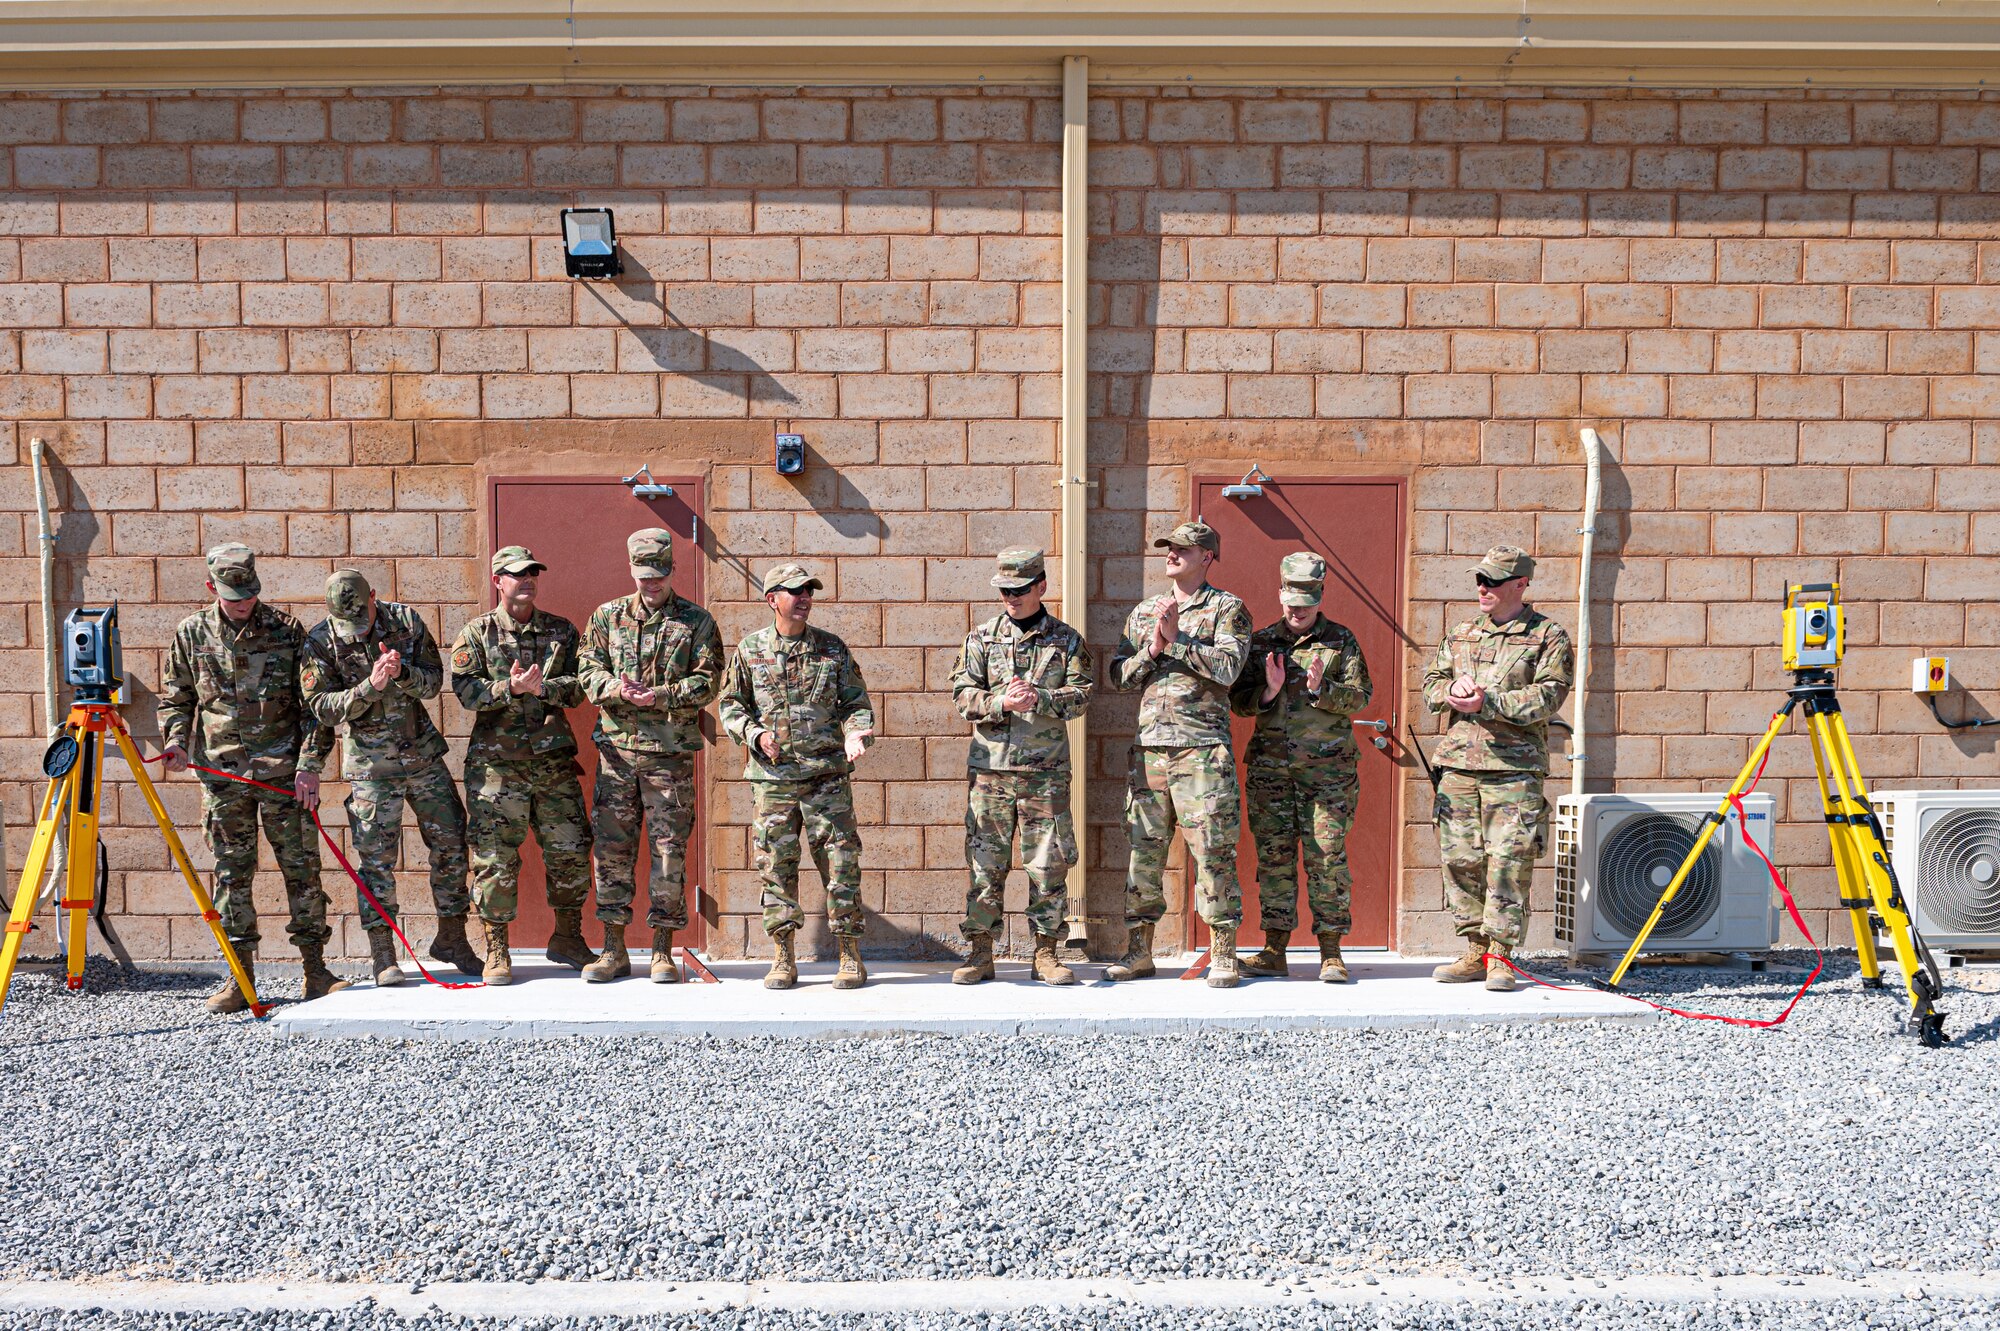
(918, 997)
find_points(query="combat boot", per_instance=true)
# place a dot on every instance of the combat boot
(1048, 966)
(1137, 963)
(614, 962)
(499, 961)
(229, 999)
(382, 956)
(319, 980)
(1271, 959)
(1499, 975)
(978, 961)
(784, 972)
(1467, 968)
(663, 970)
(1222, 969)
(450, 945)
(566, 945)
(1332, 966)
(852, 974)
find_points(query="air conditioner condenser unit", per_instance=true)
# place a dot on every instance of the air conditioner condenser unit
(1616, 853)
(1945, 848)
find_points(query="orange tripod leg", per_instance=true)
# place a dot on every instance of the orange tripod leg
(85, 808)
(55, 804)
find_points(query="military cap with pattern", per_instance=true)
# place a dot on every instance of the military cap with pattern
(1506, 561)
(517, 559)
(651, 552)
(1190, 535)
(233, 569)
(347, 598)
(791, 577)
(1018, 568)
(1304, 578)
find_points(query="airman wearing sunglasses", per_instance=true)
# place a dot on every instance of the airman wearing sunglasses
(1497, 680)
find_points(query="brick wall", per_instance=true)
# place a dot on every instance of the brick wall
(316, 322)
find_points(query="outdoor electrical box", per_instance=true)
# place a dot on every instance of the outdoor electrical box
(791, 454)
(1930, 674)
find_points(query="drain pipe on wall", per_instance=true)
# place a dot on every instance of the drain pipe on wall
(1579, 741)
(46, 546)
(1074, 478)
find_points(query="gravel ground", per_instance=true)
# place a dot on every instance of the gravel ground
(151, 1140)
(1749, 1316)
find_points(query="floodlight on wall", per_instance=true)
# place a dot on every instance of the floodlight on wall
(590, 243)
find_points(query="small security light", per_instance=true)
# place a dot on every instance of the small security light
(791, 454)
(590, 243)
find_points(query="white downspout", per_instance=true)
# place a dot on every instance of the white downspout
(1074, 459)
(1587, 537)
(46, 544)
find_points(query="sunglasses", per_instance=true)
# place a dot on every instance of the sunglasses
(1011, 592)
(1486, 582)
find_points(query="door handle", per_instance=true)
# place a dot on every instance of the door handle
(1377, 725)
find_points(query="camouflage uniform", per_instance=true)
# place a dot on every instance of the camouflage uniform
(1019, 761)
(229, 697)
(808, 692)
(645, 755)
(1299, 771)
(1182, 769)
(1489, 811)
(520, 764)
(392, 751)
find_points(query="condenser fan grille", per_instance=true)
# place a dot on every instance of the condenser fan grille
(1637, 862)
(1958, 871)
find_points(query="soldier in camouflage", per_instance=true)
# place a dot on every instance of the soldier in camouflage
(1304, 682)
(515, 669)
(793, 697)
(368, 668)
(651, 661)
(1497, 679)
(1184, 651)
(1019, 678)
(229, 699)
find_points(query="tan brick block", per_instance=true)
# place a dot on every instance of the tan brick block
(199, 489)
(435, 396)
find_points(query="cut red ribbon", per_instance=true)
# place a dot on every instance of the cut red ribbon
(1791, 907)
(359, 886)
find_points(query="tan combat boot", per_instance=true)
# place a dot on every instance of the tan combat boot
(1499, 975)
(1271, 959)
(319, 980)
(1332, 967)
(784, 972)
(1467, 968)
(1048, 967)
(382, 957)
(229, 999)
(852, 974)
(614, 962)
(451, 946)
(499, 960)
(1137, 963)
(566, 945)
(663, 970)
(978, 961)
(1222, 968)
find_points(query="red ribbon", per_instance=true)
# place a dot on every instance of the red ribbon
(359, 886)
(1791, 907)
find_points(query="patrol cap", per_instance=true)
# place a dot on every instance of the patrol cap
(791, 577)
(233, 569)
(347, 594)
(1506, 561)
(1189, 535)
(651, 552)
(1018, 568)
(1304, 578)
(516, 559)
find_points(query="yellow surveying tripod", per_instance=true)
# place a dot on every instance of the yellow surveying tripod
(1814, 638)
(74, 764)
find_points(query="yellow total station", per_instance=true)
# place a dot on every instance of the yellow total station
(74, 764)
(1813, 642)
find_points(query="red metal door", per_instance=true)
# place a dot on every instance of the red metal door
(578, 525)
(1357, 526)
